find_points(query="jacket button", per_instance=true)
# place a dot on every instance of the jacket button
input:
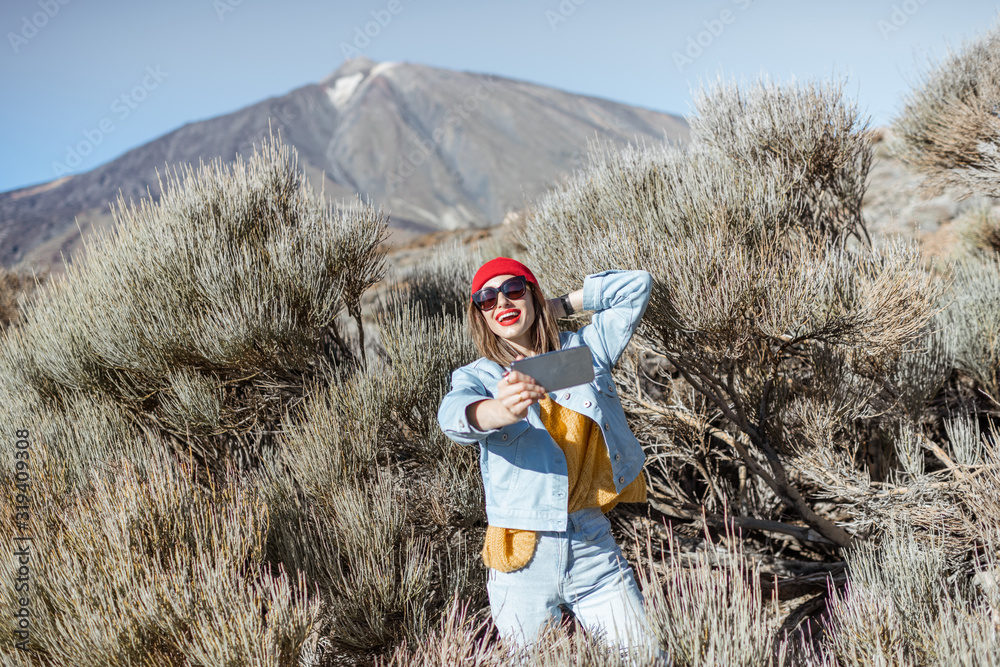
(618, 457)
(504, 436)
(611, 389)
(607, 425)
(566, 396)
(586, 404)
(621, 480)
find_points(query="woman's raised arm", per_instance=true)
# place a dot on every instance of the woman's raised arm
(567, 304)
(618, 299)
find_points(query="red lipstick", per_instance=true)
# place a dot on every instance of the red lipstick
(510, 321)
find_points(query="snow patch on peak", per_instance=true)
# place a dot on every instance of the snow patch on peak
(343, 88)
(381, 68)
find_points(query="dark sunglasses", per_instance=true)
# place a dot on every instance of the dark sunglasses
(512, 288)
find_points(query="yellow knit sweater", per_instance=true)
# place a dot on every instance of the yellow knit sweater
(591, 483)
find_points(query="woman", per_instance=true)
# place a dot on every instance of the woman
(551, 464)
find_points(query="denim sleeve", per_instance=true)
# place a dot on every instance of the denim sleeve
(619, 299)
(466, 389)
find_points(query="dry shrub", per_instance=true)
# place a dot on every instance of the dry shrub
(204, 314)
(152, 569)
(78, 432)
(815, 141)
(425, 338)
(949, 129)
(923, 368)
(764, 163)
(705, 609)
(895, 589)
(980, 231)
(458, 640)
(16, 285)
(909, 603)
(465, 638)
(708, 609)
(970, 322)
(377, 508)
(441, 280)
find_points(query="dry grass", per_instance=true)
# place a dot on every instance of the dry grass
(151, 569)
(949, 129)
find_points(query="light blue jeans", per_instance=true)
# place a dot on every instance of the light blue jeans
(582, 568)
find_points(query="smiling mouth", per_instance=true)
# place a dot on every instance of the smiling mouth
(509, 317)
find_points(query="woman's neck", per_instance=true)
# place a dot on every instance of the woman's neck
(522, 348)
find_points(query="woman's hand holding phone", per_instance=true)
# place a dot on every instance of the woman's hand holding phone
(516, 392)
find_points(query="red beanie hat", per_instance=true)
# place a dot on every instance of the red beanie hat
(497, 267)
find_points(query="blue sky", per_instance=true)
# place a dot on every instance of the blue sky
(66, 64)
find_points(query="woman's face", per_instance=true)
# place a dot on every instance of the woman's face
(511, 319)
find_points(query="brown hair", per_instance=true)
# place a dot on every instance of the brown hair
(544, 332)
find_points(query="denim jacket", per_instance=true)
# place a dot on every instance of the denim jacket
(525, 476)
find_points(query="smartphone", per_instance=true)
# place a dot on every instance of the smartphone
(559, 369)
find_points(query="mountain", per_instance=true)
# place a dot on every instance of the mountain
(438, 149)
